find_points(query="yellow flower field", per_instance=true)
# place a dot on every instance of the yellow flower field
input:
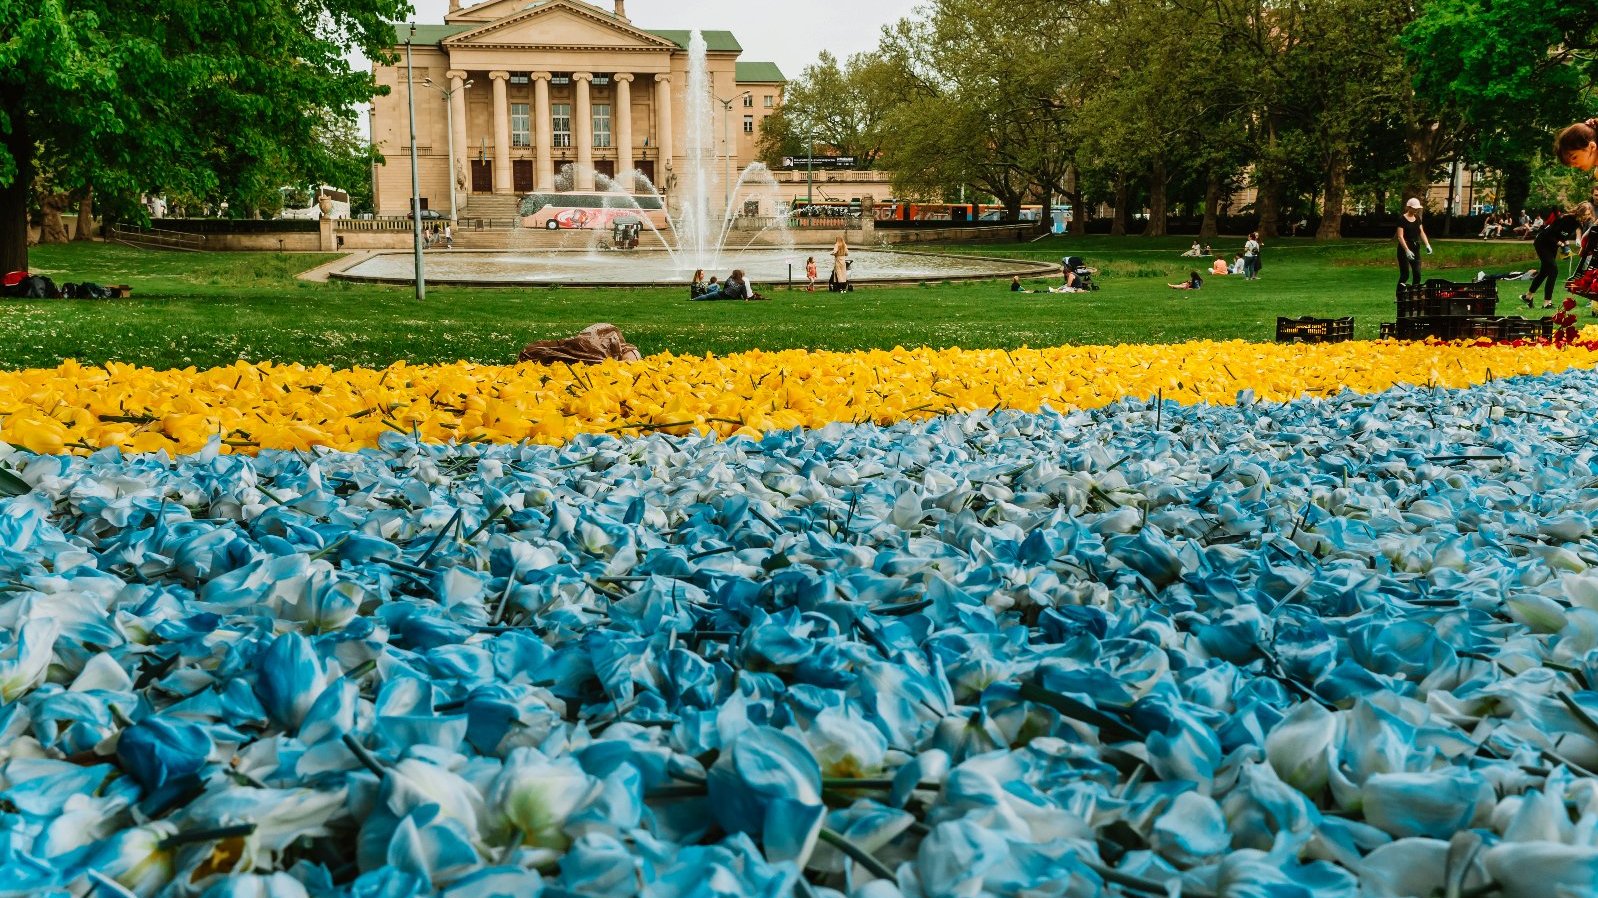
(253, 406)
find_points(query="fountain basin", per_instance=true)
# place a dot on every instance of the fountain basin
(639, 268)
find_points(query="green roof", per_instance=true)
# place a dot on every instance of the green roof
(759, 73)
(427, 35)
(715, 41)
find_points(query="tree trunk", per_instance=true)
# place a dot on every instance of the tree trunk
(1332, 207)
(14, 196)
(1449, 210)
(1118, 215)
(1418, 177)
(1517, 186)
(1267, 202)
(1157, 210)
(54, 229)
(85, 229)
(1212, 207)
(1073, 194)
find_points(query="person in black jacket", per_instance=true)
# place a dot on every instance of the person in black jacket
(1547, 243)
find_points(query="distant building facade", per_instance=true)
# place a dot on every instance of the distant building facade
(534, 87)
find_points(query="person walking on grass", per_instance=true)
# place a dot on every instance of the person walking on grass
(810, 274)
(1546, 244)
(1411, 235)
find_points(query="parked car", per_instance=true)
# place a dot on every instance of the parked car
(427, 214)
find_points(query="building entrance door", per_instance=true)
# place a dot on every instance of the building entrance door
(482, 176)
(521, 171)
(647, 169)
(606, 167)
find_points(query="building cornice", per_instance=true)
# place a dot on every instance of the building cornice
(473, 37)
(584, 48)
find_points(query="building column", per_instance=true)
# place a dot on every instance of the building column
(663, 126)
(459, 180)
(543, 132)
(502, 180)
(624, 127)
(583, 132)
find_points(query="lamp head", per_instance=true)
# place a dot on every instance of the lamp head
(428, 82)
(466, 85)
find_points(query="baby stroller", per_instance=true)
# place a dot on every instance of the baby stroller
(1084, 275)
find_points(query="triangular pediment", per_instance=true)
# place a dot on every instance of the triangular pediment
(554, 23)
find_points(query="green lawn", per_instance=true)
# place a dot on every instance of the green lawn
(210, 309)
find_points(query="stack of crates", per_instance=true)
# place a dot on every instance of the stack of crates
(1451, 311)
(1314, 330)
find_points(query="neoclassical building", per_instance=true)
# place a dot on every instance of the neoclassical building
(526, 87)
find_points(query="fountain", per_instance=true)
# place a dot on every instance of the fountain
(700, 234)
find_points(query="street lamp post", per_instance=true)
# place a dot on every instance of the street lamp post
(810, 173)
(416, 184)
(449, 94)
(726, 127)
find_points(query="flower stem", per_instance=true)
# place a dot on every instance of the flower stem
(857, 854)
(207, 835)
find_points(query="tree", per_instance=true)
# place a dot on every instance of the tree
(986, 99)
(779, 139)
(133, 96)
(1531, 57)
(1161, 102)
(842, 107)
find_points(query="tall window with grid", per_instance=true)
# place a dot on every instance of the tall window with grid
(561, 114)
(521, 125)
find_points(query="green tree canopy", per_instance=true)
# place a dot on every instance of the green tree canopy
(217, 100)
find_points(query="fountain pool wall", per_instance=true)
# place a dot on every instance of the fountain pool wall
(765, 267)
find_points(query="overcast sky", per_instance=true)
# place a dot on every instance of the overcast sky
(789, 34)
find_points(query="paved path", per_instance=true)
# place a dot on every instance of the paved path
(321, 273)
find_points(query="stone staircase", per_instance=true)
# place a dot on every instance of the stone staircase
(493, 206)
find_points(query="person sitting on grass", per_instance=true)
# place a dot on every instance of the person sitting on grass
(1195, 252)
(1208, 251)
(711, 286)
(1015, 285)
(1193, 282)
(735, 287)
(698, 288)
(1237, 264)
(1219, 269)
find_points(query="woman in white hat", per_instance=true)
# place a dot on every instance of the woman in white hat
(1411, 236)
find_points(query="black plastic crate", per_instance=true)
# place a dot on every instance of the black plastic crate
(1448, 298)
(1443, 289)
(1389, 330)
(1528, 329)
(1449, 327)
(1314, 330)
